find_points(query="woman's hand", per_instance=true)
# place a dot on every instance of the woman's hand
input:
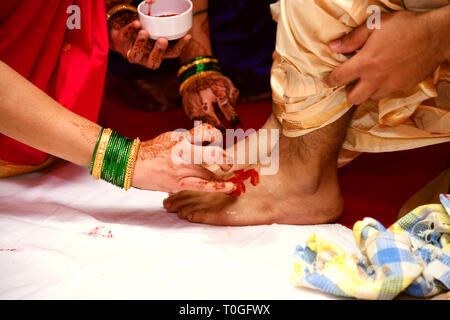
(172, 162)
(201, 98)
(135, 45)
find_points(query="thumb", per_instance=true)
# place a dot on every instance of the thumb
(352, 41)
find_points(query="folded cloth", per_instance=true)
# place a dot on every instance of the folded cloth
(411, 256)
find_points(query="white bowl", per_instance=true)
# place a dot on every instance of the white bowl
(172, 27)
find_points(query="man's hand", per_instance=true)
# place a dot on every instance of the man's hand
(201, 98)
(408, 48)
(135, 45)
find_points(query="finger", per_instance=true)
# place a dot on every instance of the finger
(344, 74)
(212, 120)
(361, 92)
(380, 94)
(175, 51)
(204, 155)
(208, 114)
(128, 35)
(130, 31)
(229, 113)
(138, 50)
(204, 133)
(352, 41)
(157, 54)
(214, 155)
(198, 184)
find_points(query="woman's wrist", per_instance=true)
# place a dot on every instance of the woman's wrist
(114, 158)
(121, 19)
(200, 44)
(199, 67)
(118, 17)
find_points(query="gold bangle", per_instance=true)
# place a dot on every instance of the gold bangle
(120, 7)
(189, 80)
(205, 60)
(128, 55)
(131, 163)
(100, 155)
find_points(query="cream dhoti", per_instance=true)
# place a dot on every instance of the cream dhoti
(302, 103)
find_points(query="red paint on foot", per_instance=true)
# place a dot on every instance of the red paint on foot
(239, 177)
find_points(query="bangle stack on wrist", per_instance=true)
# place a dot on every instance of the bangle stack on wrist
(119, 8)
(197, 68)
(114, 158)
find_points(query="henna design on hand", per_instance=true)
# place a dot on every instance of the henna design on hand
(152, 148)
(87, 131)
(122, 19)
(202, 96)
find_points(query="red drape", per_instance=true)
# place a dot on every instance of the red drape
(69, 64)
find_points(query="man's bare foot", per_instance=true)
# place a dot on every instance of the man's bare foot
(305, 189)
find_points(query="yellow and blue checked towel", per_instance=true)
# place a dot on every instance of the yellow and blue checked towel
(412, 256)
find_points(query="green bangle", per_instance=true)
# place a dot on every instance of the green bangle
(116, 158)
(106, 168)
(121, 162)
(200, 12)
(198, 58)
(124, 155)
(95, 150)
(113, 159)
(196, 69)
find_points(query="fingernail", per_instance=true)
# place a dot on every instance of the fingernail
(231, 186)
(335, 45)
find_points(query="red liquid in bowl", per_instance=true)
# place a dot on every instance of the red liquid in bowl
(166, 15)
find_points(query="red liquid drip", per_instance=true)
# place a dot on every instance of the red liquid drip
(239, 177)
(150, 8)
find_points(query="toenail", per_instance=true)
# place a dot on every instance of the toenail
(167, 205)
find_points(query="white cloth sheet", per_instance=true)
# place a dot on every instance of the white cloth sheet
(64, 235)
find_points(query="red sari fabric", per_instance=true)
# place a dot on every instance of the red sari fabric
(68, 64)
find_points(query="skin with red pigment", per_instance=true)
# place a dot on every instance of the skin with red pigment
(239, 177)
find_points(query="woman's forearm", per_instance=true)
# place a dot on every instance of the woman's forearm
(30, 116)
(200, 44)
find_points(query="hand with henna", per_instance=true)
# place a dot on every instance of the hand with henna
(127, 37)
(168, 162)
(204, 96)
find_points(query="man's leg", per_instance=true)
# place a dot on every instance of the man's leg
(305, 189)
